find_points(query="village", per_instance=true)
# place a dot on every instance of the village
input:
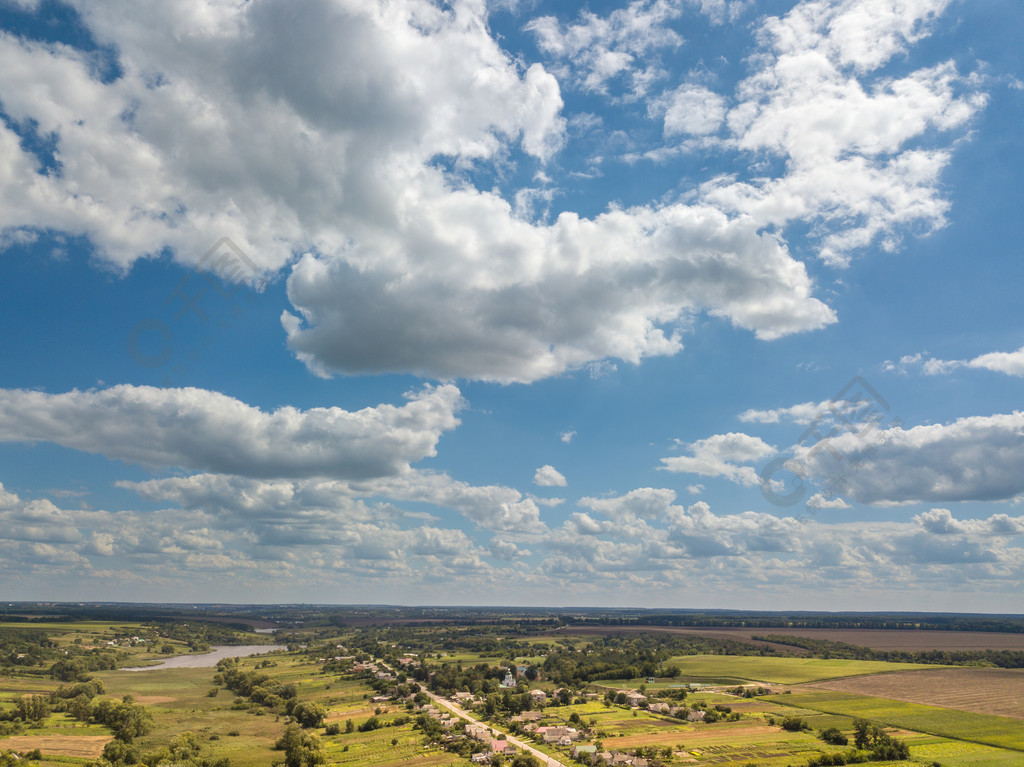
(541, 730)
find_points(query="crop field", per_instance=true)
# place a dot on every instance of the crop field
(981, 690)
(81, 746)
(998, 731)
(778, 670)
(876, 639)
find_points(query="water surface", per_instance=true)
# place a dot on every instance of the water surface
(209, 659)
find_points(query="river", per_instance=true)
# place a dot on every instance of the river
(209, 659)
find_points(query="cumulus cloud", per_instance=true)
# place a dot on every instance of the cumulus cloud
(553, 299)
(205, 430)
(606, 48)
(1010, 363)
(493, 507)
(820, 501)
(722, 455)
(972, 459)
(357, 182)
(817, 103)
(548, 476)
(693, 110)
(317, 532)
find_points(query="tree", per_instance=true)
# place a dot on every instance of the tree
(117, 752)
(301, 749)
(861, 733)
(308, 714)
(32, 708)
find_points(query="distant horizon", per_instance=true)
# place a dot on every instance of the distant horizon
(510, 608)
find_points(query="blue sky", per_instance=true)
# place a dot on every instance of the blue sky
(683, 303)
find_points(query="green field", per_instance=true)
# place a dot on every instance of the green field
(962, 725)
(723, 668)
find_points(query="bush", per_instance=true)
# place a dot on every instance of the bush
(373, 723)
(833, 736)
(794, 724)
(334, 728)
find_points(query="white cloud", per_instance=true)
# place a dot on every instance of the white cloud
(206, 430)
(820, 501)
(554, 298)
(1010, 363)
(371, 94)
(803, 413)
(976, 458)
(398, 265)
(566, 436)
(722, 455)
(816, 102)
(694, 110)
(493, 507)
(315, 533)
(548, 476)
(602, 49)
(942, 522)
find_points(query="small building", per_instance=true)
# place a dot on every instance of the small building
(502, 747)
(635, 699)
(509, 680)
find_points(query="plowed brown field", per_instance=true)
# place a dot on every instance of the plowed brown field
(876, 639)
(981, 690)
(83, 746)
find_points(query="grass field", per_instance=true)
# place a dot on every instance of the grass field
(777, 670)
(961, 725)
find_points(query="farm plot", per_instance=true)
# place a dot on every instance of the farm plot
(999, 731)
(876, 639)
(81, 746)
(780, 670)
(980, 690)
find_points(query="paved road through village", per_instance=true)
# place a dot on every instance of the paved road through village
(459, 711)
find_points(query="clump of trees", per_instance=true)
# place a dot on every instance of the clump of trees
(871, 744)
(125, 718)
(833, 736)
(301, 749)
(794, 724)
(186, 750)
(262, 690)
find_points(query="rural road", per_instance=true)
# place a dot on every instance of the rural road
(459, 711)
